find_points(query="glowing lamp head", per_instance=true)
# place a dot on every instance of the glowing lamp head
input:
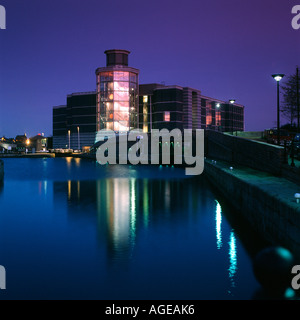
(28, 142)
(218, 105)
(232, 101)
(297, 197)
(278, 76)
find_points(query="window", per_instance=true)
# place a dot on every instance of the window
(121, 76)
(208, 114)
(106, 76)
(132, 77)
(121, 86)
(121, 96)
(167, 116)
(121, 106)
(218, 117)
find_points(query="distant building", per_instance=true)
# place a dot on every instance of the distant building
(117, 93)
(169, 107)
(7, 145)
(21, 139)
(38, 143)
(21, 143)
(121, 104)
(60, 127)
(74, 125)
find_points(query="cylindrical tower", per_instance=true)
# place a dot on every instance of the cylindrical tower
(117, 93)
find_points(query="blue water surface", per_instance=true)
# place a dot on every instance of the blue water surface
(73, 229)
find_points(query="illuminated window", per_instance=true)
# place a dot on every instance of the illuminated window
(121, 86)
(145, 99)
(208, 114)
(218, 118)
(121, 106)
(121, 76)
(121, 96)
(167, 116)
(117, 99)
(145, 118)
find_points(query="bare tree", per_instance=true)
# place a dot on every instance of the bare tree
(290, 102)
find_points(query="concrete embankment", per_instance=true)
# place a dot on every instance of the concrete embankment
(28, 155)
(1, 170)
(265, 201)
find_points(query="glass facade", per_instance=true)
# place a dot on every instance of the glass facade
(167, 116)
(218, 117)
(208, 114)
(117, 100)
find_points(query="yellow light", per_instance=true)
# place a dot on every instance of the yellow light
(27, 141)
(69, 189)
(145, 99)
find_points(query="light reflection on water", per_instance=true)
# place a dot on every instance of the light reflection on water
(232, 258)
(218, 225)
(232, 250)
(130, 232)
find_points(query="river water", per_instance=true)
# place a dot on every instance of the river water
(73, 229)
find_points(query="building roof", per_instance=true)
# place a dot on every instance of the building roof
(221, 101)
(37, 137)
(59, 107)
(81, 93)
(116, 51)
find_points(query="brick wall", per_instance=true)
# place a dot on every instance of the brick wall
(291, 173)
(275, 219)
(236, 150)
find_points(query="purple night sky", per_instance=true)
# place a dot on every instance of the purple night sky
(226, 48)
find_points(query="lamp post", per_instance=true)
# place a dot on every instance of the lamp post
(78, 138)
(277, 78)
(219, 116)
(27, 145)
(297, 95)
(232, 101)
(69, 134)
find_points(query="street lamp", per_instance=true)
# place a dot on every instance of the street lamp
(78, 138)
(27, 145)
(218, 116)
(297, 97)
(278, 77)
(232, 101)
(69, 134)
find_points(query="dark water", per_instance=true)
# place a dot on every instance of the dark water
(72, 229)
